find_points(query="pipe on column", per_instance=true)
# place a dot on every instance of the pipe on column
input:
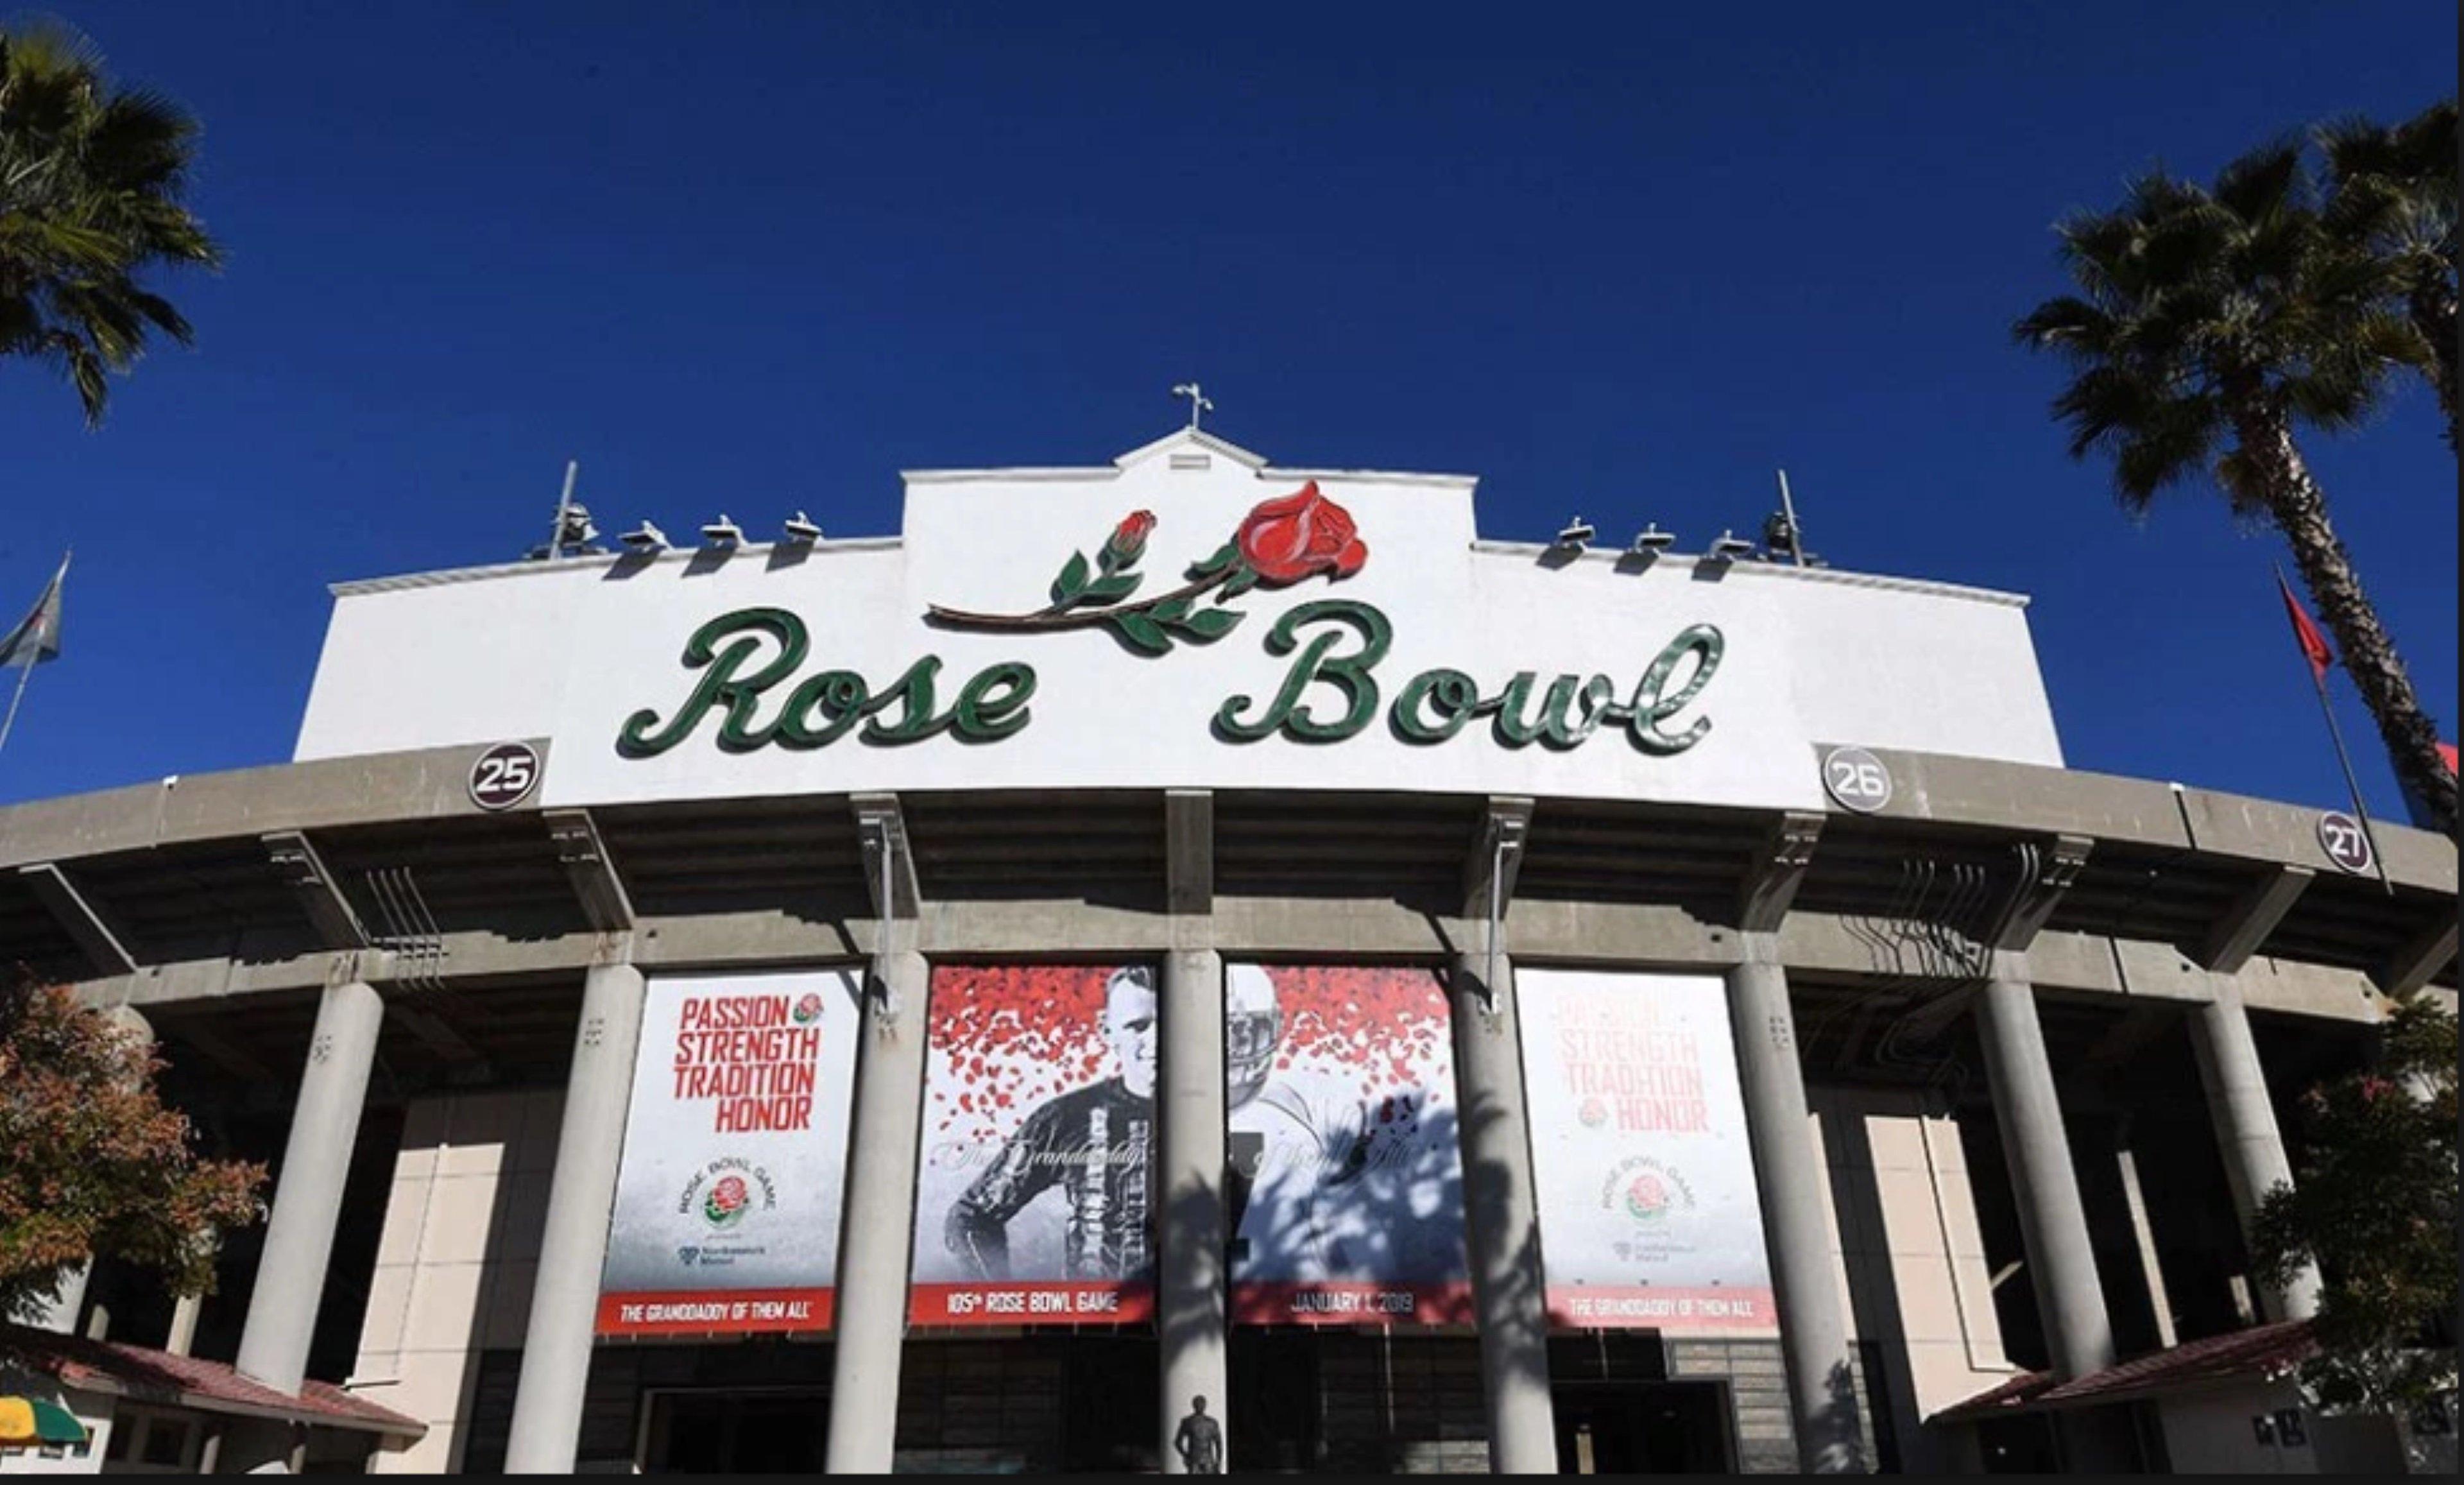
(2245, 1124)
(573, 1251)
(1501, 1220)
(1191, 1310)
(2052, 1221)
(876, 1241)
(308, 1190)
(1789, 1179)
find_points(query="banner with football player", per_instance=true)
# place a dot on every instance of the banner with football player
(1649, 1217)
(726, 1217)
(1347, 1181)
(1034, 1198)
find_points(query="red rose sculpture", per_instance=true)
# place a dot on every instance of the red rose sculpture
(1130, 538)
(1300, 535)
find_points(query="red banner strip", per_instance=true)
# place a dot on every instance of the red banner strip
(991, 1302)
(726, 1312)
(1720, 1311)
(1352, 1304)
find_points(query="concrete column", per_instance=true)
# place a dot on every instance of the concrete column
(573, 1249)
(2245, 1124)
(1789, 1179)
(185, 1312)
(2053, 1222)
(876, 1234)
(1191, 1299)
(1501, 1220)
(308, 1189)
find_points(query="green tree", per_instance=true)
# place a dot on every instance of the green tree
(91, 182)
(91, 1164)
(2374, 1207)
(2392, 196)
(2211, 326)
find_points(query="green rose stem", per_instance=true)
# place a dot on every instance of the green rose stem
(1054, 617)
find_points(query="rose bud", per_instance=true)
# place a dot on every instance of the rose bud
(1130, 538)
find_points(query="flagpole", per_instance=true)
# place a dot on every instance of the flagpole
(25, 674)
(2344, 757)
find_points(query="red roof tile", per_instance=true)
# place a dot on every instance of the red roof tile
(187, 1380)
(2264, 1350)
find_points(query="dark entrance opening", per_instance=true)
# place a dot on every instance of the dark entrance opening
(778, 1432)
(1642, 1428)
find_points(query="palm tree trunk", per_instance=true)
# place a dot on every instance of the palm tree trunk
(2430, 305)
(2298, 508)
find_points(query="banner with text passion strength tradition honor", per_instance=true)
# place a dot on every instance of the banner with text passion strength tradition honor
(1034, 1198)
(1649, 1217)
(1347, 1181)
(727, 1198)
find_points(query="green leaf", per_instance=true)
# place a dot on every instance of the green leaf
(1114, 588)
(1223, 558)
(1068, 587)
(1142, 633)
(1240, 583)
(1169, 612)
(1210, 624)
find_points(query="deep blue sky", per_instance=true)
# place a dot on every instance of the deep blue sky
(755, 257)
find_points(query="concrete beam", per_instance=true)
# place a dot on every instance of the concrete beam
(592, 870)
(2411, 967)
(1772, 882)
(888, 860)
(1189, 851)
(2051, 867)
(2244, 927)
(1496, 854)
(303, 872)
(77, 917)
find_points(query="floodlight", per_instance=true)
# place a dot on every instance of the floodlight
(722, 532)
(800, 530)
(1576, 535)
(1651, 540)
(1730, 546)
(646, 539)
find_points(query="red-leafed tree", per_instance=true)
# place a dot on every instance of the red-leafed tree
(91, 1164)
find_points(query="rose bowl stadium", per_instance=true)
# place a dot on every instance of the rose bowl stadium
(1194, 964)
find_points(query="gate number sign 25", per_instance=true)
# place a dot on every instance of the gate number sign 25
(504, 776)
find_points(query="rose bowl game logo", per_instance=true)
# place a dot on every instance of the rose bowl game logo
(808, 1010)
(1646, 1197)
(726, 1202)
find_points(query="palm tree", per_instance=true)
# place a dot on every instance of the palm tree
(90, 199)
(2392, 195)
(2211, 326)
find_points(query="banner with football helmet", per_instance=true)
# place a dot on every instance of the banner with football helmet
(1346, 1180)
(726, 1217)
(1649, 1214)
(1034, 1196)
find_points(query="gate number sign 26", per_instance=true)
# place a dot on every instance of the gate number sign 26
(504, 776)
(1856, 779)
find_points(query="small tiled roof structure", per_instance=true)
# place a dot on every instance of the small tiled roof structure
(149, 1376)
(2261, 1351)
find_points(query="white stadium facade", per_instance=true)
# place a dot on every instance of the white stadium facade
(1188, 928)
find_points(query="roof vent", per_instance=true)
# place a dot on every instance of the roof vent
(1193, 461)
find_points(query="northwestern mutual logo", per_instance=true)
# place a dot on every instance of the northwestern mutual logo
(1335, 644)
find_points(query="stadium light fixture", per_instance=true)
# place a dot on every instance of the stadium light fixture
(646, 539)
(1576, 535)
(1730, 546)
(1651, 541)
(800, 531)
(722, 532)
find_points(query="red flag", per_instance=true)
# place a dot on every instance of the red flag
(2314, 645)
(2447, 755)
